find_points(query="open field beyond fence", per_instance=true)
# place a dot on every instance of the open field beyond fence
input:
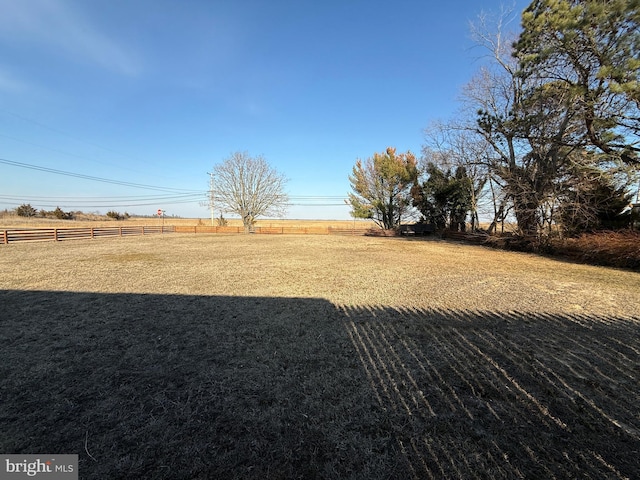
(78, 233)
(290, 356)
(31, 230)
(14, 221)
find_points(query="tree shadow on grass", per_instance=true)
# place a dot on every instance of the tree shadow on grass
(175, 386)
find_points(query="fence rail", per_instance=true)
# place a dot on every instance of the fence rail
(274, 230)
(75, 233)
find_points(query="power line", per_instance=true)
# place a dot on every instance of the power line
(69, 135)
(149, 187)
(96, 202)
(124, 198)
(317, 204)
(319, 197)
(68, 153)
(99, 203)
(77, 139)
(51, 205)
(189, 196)
(90, 177)
(51, 149)
(127, 198)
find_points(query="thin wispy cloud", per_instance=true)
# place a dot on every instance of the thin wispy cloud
(10, 83)
(55, 25)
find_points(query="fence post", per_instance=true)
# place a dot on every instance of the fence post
(91, 232)
(6, 237)
(120, 230)
(55, 234)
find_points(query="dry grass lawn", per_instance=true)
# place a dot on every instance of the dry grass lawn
(250, 356)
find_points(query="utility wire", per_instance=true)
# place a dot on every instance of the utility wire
(317, 204)
(150, 187)
(189, 196)
(70, 154)
(52, 149)
(127, 198)
(42, 125)
(76, 206)
(90, 177)
(133, 198)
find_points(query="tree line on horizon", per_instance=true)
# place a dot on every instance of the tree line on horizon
(28, 211)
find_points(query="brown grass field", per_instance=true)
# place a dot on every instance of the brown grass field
(87, 220)
(275, 356)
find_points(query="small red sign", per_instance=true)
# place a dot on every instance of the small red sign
(159, 212)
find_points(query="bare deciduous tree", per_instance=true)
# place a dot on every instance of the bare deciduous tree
(249, 187)
(529, 133)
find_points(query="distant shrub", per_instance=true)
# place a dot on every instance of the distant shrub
(26, 210)
(60, 215)
(115, 215)
(222, 222)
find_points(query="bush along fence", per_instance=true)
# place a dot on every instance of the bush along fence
(75, 233)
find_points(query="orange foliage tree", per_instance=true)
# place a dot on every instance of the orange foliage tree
(382, 187)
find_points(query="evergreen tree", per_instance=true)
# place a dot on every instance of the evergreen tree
(26, 210)
(589, 51)
(444, 199)
(381, 187)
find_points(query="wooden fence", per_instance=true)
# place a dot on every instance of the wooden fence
(274, 230)
(74, 233)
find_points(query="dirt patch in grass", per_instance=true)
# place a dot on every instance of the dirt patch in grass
(316, 357)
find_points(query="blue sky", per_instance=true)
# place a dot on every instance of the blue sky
(155, 92)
